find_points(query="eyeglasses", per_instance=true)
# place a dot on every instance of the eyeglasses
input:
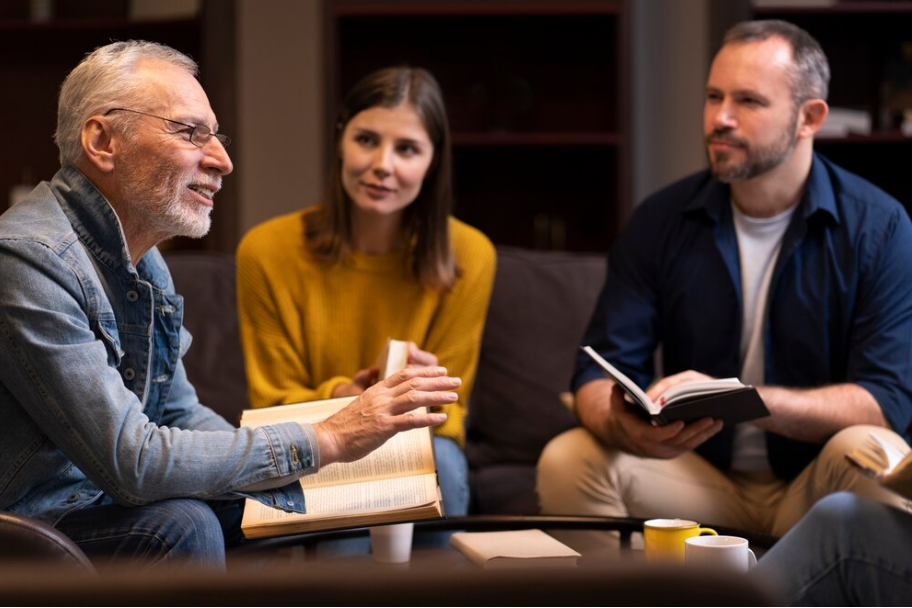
(199, 134)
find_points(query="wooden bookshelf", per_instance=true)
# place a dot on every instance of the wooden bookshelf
(35, 57)
(865, 43)
(34, 60)
(538, 97)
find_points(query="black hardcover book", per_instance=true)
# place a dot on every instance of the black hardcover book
(726, 399)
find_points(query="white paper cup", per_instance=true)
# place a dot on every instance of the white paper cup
(728, 553)
(392, 544)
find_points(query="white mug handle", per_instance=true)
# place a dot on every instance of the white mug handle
(751, 559)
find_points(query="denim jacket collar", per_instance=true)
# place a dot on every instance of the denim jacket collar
(97, 225)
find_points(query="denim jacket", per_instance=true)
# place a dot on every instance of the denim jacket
(93, 394)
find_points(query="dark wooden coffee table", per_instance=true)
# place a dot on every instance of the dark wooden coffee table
(625, 526)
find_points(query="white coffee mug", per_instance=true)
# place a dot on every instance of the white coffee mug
(729, 553)
(392, 544)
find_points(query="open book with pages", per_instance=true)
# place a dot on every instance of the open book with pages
(395, 483)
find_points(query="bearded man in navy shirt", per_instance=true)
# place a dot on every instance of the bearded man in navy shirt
(775, 266)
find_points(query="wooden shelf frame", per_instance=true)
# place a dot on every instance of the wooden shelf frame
(535, 90)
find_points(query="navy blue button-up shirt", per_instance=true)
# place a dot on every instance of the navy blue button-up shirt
(839, 307)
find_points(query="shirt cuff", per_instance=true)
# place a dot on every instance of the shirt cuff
(587, 375)
(294, 447)
(296, 454)
(288, 498)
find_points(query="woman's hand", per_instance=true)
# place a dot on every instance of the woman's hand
(366, 378)
(421, 358)
(360, 383)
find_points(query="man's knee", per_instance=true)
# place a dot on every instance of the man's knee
(832, 471)
(187, 530)
(852, 436)
(567, 454)
(836, 510)
(853, 522)
(565, 464)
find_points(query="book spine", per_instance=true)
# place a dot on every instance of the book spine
(659, 419)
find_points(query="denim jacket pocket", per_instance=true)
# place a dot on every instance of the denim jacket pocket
(107, 332)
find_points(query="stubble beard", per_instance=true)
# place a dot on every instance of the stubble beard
(757, 161)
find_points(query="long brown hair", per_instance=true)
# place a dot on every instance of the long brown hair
(426, 219)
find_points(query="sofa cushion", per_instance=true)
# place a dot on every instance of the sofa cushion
(504, 489)
(540, 306)
(215, 361)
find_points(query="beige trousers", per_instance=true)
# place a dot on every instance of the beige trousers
(577, 475)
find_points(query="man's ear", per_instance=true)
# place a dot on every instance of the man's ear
(98, 144)
(811, 116)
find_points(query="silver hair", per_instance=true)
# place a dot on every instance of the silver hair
(106, 79)
(810, 71)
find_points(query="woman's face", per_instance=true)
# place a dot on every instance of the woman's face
(386, 153)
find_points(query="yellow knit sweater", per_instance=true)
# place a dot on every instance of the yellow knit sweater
(307, 326)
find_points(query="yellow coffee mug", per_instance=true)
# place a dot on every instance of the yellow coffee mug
(664, 538)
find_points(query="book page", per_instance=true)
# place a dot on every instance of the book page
(343, 501)
(407, 453)
(395, 482)
(379, 495)
(871, 461)
(699, 388)
(893, 455)
(884, 461)
(310, 412)
(635, 392)
(876, 457)
(900, 478)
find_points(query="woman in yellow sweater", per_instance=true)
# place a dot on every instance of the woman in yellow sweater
(320, 290)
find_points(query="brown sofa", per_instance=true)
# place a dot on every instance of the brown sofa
(539, 308)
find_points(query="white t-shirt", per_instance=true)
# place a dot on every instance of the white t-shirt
(759, 241)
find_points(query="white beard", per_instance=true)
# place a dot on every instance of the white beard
(159, 199)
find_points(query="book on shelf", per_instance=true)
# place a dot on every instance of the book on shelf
(793, 3)
(514, 549)
(726, 399)
(395, 483)
(886, 463)
(840, 122)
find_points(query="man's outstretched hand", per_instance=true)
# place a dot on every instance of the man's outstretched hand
(384, 409)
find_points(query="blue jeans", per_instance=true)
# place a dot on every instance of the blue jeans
(452, 475)
(177, 531)
(846, 551)
(169, 533)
